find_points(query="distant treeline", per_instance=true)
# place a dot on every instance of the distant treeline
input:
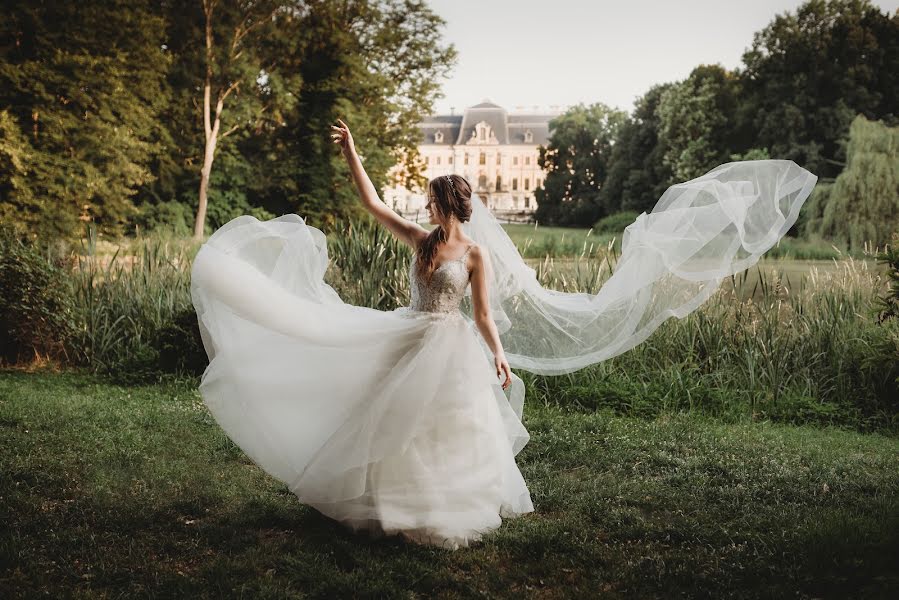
(134, 115)
(104, 106)
(805, 79)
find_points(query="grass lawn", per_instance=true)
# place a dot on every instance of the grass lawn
(539, 241)
(110, 491)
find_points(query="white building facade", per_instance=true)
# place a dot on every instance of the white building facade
(495, 151)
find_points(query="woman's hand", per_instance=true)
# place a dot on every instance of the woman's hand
(502, 366)
(342, 137)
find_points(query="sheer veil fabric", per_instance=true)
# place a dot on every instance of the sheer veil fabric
(395, 421)
(672, 260)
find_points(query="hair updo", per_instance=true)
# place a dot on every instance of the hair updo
(451, 196)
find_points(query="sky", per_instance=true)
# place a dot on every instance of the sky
(527, 53)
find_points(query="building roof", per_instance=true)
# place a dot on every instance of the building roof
(495, 116)
(508, 129)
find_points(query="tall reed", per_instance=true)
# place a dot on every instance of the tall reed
(126, 302)
(763, 346)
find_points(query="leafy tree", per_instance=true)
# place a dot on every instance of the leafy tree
(377, 65)
(577, 161)
(237, 58)
(374, 63)
(638, 174)
(696, 117)
(862, 205)
(83, 83)
(809, 73)
(18, 205)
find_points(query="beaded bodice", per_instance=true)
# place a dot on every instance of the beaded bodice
(446, 288)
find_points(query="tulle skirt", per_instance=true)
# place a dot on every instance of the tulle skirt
(392, 422)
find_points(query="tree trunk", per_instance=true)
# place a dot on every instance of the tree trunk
(200, 222)
(211, 132)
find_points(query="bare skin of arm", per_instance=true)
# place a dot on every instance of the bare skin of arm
(412, 233)
(483, 321)
(406, 231)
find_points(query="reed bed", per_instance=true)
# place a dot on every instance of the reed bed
(800, 349)
(126, 304)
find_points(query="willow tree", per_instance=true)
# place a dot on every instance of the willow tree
(862, 205)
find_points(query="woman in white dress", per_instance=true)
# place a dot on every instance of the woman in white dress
(389, 421)
(408, 421)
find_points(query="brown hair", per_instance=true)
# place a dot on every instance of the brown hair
(452, 196)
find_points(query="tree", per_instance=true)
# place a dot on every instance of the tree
(862, 205)
(576, 162)
(809, 73)
(638, 175)
(377, 65)
(235, 58)
(696, 117)
(19, 206)
(82, 86)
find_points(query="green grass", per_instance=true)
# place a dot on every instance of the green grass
(112, 491)
(540, 241)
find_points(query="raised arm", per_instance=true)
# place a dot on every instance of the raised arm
(406, 231)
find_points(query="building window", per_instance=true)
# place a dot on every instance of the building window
(427, 160)
(514, 160)
(499, 182)
(527, 160)
(527, 202)
(498, 161)
(450, 160)
(466, 159)
(527, 183)
(528, 136)
(539, 181)
(483, 159)
(514, 183)
(438, 137)
(482, 182)
(438, 160)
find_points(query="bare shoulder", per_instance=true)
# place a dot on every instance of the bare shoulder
(475, 256)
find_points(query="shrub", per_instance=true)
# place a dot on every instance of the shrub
(36, 308)
(616, 223)
(887, 305)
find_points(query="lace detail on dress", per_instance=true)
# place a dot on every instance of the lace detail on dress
(446, 289)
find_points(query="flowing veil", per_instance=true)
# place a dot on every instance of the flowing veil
(672, 260)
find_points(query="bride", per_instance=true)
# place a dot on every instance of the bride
(408, 421)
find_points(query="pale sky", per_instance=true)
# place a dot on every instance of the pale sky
(561, 52)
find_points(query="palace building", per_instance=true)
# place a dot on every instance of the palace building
(495, 151)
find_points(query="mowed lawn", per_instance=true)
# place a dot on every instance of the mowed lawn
(110, 491)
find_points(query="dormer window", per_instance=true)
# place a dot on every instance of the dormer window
(528, 136)
(482, 132)
(438, 137)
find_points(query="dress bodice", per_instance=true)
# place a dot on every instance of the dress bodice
(446, 288)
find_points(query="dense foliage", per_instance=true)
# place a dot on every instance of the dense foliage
(102, 107)
(577, 162)
(806, 77)
(37, 310)
(862, 205)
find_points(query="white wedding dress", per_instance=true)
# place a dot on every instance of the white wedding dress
(388, 421)
(395, 421)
